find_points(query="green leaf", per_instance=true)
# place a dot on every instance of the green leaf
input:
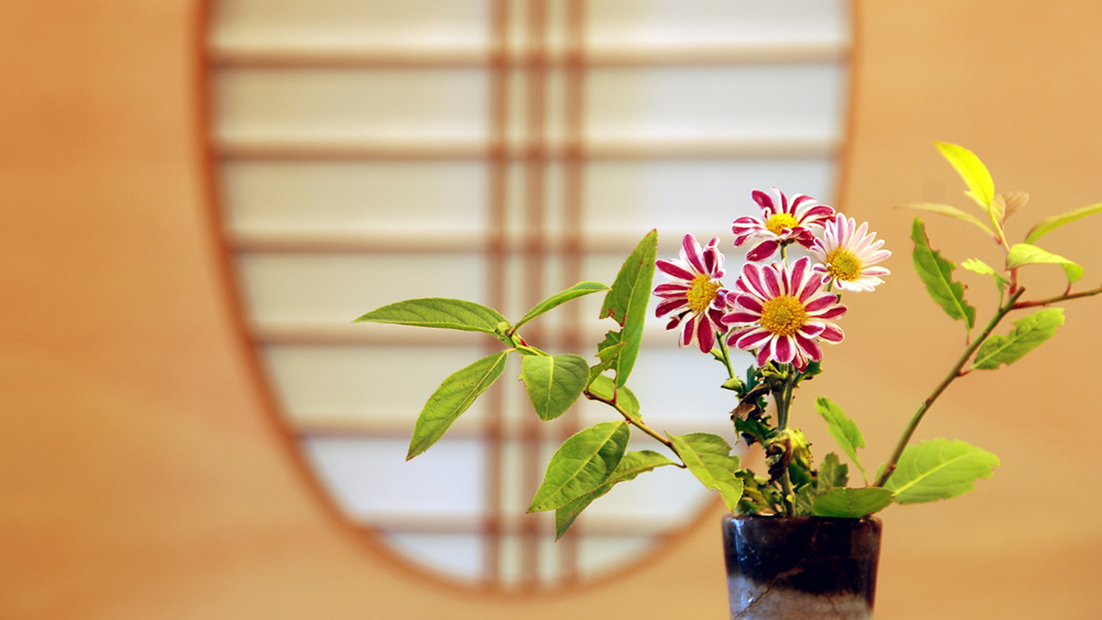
(832, 474)
(852, 503)
(1049, 224)
(438, 312)
(980, 186)
(454, 396)
(626, 303)
(978, 266)
(1022, 254)
(843, 429)
(1029, 333)
(936, 272)
(581, 464)
(607, 354)
(558, 299)
(554, 383)
(605, 388)
(939, 469)
(633, 464)
(708, 457)
(954, 212)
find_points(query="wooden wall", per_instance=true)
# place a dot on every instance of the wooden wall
(141, 475)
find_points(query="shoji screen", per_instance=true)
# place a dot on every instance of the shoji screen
(497, 150)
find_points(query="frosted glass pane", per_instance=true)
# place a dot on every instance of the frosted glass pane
(420, 23)
(712, 22)
(342, 104)
(343, 383)
(700, 197)
(337, 288)
(598, 554)
(372, 477)
(382, 196)
(455, 555)
(748, 102)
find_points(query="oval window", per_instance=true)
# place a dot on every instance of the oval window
(498, 151)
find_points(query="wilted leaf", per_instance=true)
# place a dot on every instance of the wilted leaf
(1029, 333)
(939, 469)
(936, 272)
(581, 464)
(1049, 224)
(852, 503)
(1022, 254)
(1012, 201)
(708, 457)
(454, 396)
(558, 299)
(438, 312)
(980, 186)
(626, 303)
(554, 383)
(633, 464)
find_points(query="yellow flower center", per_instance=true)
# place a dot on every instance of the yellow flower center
(783, 315)
(702, 292)
(842, 264)
(777, 223)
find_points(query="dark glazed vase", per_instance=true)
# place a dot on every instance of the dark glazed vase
(806, 568)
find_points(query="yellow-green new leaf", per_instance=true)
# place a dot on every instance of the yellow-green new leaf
(1049, 224)
(1022, 254)
(554, 383)
(1029, 333)
(708, 457)
(937, 273)
(939, 469)
(954, 212)
(454, 396)
(633, 464)
(581, 464)
(978, 266)
(980, 186)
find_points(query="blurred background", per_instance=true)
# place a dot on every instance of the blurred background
(201, 195)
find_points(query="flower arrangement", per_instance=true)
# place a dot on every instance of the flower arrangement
(802, 257)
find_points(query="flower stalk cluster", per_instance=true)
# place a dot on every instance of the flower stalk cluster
(784, 305)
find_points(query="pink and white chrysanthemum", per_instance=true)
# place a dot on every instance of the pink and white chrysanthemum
(782, 313)
(783, 221)
(848, 255)
(694, 298)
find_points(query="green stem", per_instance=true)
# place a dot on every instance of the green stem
(726, 355)
(633, 420)
(954, 373)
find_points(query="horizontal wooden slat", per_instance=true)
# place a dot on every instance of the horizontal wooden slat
(635, 149)
(278, 55)
(588, 524)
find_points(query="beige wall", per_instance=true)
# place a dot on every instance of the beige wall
(141, 475)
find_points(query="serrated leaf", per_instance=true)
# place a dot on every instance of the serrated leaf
(554, 383)
(605, 388)
(454, 396)
(936, 272)
(626, 302)
(558, 299)
(978, 266)
(955, 213)
(708, 457)
(843, 429)
(1050, 224)
(633, 464)
(852, 503)
(939, 469)
(980, 186)
(581, 464)
(438, 312)
(832, 473)
(1029, 333)
(1022, 254)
